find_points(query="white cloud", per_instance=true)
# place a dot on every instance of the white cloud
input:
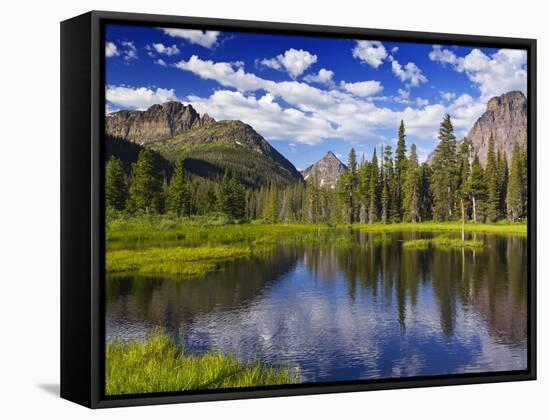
(265, 115)
(129, 52)
(163, 49)
(205, 39)
(128, 97)
(111, 49)
(371, 52)
(318, 113)
(161, 62)
(295, 62)
(409, 73)
(323, 77)
(447, 96)
(394, 50)
(421, 102)
(367, 88)
(495, 74)
(226, 74)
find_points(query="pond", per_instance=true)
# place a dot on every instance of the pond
(369, 309)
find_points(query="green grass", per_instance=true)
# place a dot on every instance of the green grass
(157, 365)
(175, 260)
(501, 227)
(443, 242)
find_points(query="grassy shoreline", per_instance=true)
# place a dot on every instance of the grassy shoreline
(193, 247)
(157, 365)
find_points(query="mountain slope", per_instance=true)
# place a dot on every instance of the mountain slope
(506, 119)
(229, 145)
(158, 122)
(327, 170)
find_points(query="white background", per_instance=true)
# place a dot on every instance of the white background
(29, 207)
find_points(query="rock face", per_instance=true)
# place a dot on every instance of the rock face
(506, 119)
(158, 122)
(327, 170)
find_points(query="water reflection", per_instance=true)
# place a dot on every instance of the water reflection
(367, 310)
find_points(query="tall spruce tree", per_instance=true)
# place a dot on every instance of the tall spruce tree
(387, 184)
(373, 189)
(477, 191)
(231, 196)
(514, 196)
(146, 188)
(400, 170)
(491, 177)
(115, 184)
(444, 179)
(179, 194)
(412, 188)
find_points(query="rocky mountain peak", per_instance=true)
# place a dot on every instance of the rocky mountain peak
(158, 122)
(327, 170)
(505, 119)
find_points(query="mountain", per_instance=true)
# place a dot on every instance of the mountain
(158, 122)
(207, 147)
(506, 118)
(327, 170)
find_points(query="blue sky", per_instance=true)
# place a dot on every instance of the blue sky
(308, 95)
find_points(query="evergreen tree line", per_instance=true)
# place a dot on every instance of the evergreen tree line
(388, 188)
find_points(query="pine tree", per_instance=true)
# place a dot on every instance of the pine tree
(179, 194)
(400, 170)
(115, 184)
(491, 176)
(373, 189)
(349, 188)
(387, 183)
(146, 188)
(411, 188)
(231, 196)
(477, 190)
(514, 198)
(445, 177)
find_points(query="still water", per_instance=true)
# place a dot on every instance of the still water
(371, 310)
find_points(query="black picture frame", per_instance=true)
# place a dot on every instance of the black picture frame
(82, 209)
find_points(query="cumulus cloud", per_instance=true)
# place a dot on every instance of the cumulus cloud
(167, 50)
(323, 77)
(129, 51)
(494, 74)
(447, 96)
(111, 49)
(129, 97)
(367, 88)
(409, 73)
(371, 52)
(205, 39)
(265, 115)
(293, 61)
(161, 62)
(319, 113)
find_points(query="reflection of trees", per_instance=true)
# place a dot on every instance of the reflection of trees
(173, 303)
(492, 282)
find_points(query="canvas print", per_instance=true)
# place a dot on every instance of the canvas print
(284, 209)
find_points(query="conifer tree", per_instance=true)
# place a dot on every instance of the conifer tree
(400, 170)
(491, 177)
(476, 189)
(115, 184)
(514, 198)
(373, 189)
(444, 185)
(179, 194)
(146, 188)
(412, 188)
(387, 183)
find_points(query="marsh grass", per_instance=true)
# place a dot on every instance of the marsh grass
(500, 227)
(443, 242)
(157, 365)
(175, 260)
